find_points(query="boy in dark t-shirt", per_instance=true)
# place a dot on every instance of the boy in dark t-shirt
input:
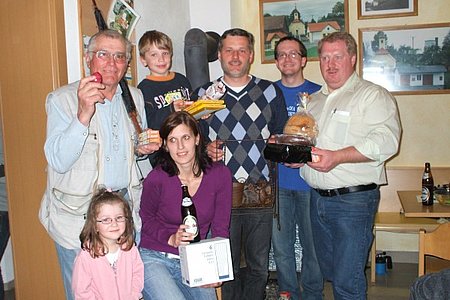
(164, 91)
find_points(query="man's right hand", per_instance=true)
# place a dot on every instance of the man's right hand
(89, 93)
(215, 151)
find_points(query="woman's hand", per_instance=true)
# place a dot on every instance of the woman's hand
(181, 237)
(212, 285)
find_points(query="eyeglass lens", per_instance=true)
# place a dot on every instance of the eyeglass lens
(107, 221)
(291, 54)
(119, 57)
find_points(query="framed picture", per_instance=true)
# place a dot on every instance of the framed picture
(307, 20)
(411, 59)
(371, 9)
(88, 27)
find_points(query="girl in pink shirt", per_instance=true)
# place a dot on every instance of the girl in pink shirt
(109, 267)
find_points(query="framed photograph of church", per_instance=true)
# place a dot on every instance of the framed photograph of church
(372, 9)
(307, 20)
(407, 60)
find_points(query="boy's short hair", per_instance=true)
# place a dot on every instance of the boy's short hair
(159, 39)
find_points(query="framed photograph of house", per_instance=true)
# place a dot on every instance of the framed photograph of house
(308, 20)
(371, 9)
(411, 59)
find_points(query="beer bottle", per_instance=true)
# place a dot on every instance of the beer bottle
(189, 214)
(427, 186)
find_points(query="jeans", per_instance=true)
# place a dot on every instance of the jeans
(162, 279)
(250, 231)
(66, 258)
(342, 229)
(294, 207)
(4, 237)
(431, 286)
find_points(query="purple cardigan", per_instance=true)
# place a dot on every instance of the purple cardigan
(161, 206)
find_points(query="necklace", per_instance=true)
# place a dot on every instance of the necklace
(112, 259)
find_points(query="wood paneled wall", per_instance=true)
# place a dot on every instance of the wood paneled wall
(33, 63)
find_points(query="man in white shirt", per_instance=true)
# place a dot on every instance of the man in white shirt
(359, 130)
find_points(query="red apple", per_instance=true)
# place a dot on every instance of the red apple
(98, 77)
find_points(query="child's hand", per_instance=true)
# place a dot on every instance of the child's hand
(179, 105)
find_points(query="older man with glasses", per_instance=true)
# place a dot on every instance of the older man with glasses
(90, 143)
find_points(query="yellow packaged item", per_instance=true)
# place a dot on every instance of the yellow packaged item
(203, 107)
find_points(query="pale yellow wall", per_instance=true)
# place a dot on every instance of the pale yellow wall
(425, 118)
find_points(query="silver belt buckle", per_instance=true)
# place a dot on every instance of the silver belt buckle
(170, 255)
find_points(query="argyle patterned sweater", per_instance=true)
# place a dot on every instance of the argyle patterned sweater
(250, 117)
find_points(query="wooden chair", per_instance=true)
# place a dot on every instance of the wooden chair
(219, 293)
(435, 243)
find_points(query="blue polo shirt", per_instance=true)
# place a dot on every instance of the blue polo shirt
(289, 178)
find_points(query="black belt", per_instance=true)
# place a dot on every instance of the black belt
(346, 190)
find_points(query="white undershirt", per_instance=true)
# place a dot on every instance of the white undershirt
(112, 257)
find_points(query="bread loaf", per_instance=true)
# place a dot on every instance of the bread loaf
(301, 124)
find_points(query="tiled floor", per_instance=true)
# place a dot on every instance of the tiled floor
(393, 286)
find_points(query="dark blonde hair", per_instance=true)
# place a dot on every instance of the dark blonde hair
(346, 37)
(89, 237)
(238, 32)
(159, 39)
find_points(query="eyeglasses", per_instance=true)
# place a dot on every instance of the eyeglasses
(119, 57)
(108, 221)
(292, 54)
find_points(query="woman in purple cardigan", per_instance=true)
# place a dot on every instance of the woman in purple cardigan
(183, 161)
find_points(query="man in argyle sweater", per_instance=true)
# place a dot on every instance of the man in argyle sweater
(255, 110)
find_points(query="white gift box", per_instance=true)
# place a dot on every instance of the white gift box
(205, 262)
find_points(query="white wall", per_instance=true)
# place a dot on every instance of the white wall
(212, 9)
(202, 14)
(72, 40)
(168, 16)
(173, 17)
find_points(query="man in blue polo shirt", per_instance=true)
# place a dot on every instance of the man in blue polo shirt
(294, 192)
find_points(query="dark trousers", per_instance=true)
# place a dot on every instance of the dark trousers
(250, 232)
(4, 237)
(431, 286)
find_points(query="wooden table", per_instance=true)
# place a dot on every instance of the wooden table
(413, 208)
